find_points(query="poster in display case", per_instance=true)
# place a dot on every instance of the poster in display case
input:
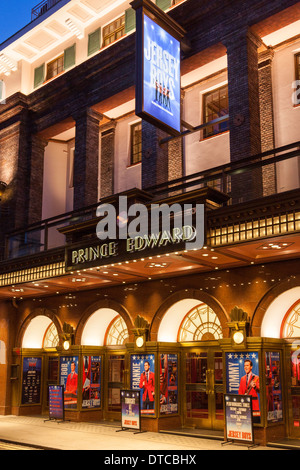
(143, 379)
(31, 380)
(69, 379)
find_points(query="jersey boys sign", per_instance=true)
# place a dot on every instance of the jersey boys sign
(158, 75)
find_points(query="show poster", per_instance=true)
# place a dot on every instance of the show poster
(242, 378)
(31, 380)
(159, 95)
(168, 398)
(131, 411)
(143, 379)
(56, 402)
(273, 387)
(91, 386)
(69, 379)
(238, 418)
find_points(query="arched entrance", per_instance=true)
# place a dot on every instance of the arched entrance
(198, 328)
(38, 339)
(104, 335)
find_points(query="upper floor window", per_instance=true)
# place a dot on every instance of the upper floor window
(297, 63)
(114, 31)
(136, 143)
(55, 67)
(215, 105)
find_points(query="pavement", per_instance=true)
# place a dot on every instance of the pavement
(113, 443)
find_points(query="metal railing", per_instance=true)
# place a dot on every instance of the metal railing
(42, 8)
(245, 180)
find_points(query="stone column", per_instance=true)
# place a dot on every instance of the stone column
(265, 62)
(160, 163)
(35, 203)
(86, 160)
(107, 160)
(244, 111)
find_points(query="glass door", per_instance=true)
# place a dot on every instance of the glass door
(116, 381)
(204, 389)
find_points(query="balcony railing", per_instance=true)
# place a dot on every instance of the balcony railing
(42, 8)
(245, 180)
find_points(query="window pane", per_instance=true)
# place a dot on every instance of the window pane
(114, 30)
(136, 143)
(215, 106)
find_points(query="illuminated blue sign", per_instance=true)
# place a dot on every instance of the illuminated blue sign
(159, 100)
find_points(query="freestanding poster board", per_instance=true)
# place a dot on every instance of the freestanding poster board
(130, 410)
(238, 419)
(56, 403)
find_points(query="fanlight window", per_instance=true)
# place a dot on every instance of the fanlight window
(291, 323)
(117, 333)
(51, 338)
(200, 324)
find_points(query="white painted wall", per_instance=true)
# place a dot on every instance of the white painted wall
(57, 186)
(286, 114)
(202, 154)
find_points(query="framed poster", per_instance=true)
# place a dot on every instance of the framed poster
(143, 378)
(238, 418)
(31, 380)
(91, 382)
(69, 379)
(242, 378)
(56, 402)
(168, 373)
(131, 409)
(158, 95)
(273, 387)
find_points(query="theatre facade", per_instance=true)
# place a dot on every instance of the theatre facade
(209, 292)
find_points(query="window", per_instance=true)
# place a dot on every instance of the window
(297, 64)
(291, 323)
(200, 324)
(51, 338)
(117, 333)
(55, 67)
(114, 31)
(215, 105)
(136, 143)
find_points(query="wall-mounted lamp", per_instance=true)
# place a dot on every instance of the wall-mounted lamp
(67, 337)
(141, 333)
(3, 187)
(239, 326)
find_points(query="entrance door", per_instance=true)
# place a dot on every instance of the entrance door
(204, 389)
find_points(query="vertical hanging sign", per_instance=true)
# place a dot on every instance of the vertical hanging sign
(158, 91)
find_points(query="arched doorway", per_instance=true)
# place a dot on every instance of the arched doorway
(39, 338)
(198, 329)
(106, 332)
(290, 331)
